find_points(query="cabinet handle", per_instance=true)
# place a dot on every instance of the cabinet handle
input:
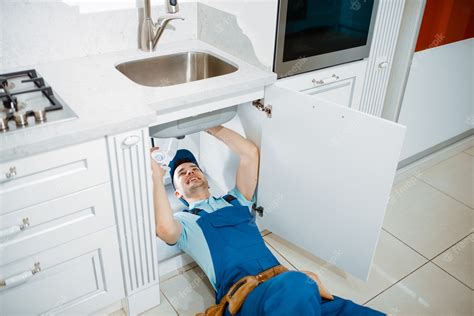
(15, 229)
(11, 173)
(383, 64)
(131, 141)
(20, 277)
(333, 78)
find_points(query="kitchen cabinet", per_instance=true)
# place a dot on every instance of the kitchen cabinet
(79, 220)
(131, 179)
(341, 84)
(76, 277)
(326, 173)
(58, 232)
(381, 58)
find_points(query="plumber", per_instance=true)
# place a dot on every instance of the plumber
(220, 234)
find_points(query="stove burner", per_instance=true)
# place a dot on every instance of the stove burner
(22, 102)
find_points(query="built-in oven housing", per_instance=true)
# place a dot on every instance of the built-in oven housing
(315, 34)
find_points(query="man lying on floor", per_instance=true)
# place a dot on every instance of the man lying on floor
(220, 235)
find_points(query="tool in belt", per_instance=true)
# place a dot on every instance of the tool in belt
(237, 294)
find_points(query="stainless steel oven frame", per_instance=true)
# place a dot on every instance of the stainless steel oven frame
(305, 64)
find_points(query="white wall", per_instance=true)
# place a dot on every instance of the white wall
(244, 28)
(439, 97)
(41, 31)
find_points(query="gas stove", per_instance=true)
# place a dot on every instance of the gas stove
(27, 101)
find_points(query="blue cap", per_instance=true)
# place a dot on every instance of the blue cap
(182, 156)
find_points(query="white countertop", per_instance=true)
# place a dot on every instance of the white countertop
(107, 103)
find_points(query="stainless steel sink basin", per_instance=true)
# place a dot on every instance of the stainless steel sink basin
(168, 70)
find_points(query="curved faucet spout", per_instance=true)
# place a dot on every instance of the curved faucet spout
(151, 32)
(161, 27)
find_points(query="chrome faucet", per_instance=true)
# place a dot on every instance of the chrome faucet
(151, 32)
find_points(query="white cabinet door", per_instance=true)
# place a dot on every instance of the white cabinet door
(326, 173)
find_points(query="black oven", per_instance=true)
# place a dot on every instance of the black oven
(314, 34)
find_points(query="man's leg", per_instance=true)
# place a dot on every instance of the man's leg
(290, 293)
(340, 306)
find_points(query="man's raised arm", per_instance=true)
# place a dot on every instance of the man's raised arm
(167, 227)
(247, 173)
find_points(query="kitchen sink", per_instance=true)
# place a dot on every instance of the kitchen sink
(168, 70)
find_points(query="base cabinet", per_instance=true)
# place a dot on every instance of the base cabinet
(78, 277)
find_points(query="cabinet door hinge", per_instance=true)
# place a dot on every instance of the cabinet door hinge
(262, 107)
(257, 210)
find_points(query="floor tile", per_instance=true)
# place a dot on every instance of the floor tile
(190, 292)
(164, 309)
(458, 260)
(119, 312)
(280, 258)
(386, 269)
(425, 218)
(428, 291)
(470, 151)
(181, 270)
(453, 176)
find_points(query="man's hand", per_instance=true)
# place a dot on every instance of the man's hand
(158, 173)
(247, 173)
(322, 289)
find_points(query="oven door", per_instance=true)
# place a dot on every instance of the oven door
(314, 34)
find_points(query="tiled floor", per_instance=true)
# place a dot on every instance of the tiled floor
(423, 263)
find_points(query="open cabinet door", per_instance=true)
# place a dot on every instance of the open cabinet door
(326, 173)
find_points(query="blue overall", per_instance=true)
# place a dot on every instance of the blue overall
(237, 250)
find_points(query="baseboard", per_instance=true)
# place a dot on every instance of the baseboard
(175, 265)
(434, 155)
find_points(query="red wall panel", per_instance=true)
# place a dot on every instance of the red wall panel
(444, 22)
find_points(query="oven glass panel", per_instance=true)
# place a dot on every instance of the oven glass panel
(315, 27)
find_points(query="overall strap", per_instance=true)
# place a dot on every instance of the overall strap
(231, 199)
(195, 211)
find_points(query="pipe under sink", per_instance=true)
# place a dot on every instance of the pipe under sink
(172, 69)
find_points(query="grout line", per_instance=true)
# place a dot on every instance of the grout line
(445, 193)
(452, 245)
(453, 276)
(169, 302)
(466, 151)
(403, 278)
(271, 246)
(429, 260)
(383, 228)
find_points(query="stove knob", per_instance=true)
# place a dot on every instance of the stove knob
(3, 124)
(21, 119)
(40, 115)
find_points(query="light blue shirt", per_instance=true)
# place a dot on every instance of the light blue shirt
(192, 240)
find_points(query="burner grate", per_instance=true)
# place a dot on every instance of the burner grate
(10, 100)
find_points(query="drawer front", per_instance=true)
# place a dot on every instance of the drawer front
(35, 179)
(339, 84)
(55, 222)
(78, 277)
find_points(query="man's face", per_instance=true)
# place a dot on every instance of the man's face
(188, 179)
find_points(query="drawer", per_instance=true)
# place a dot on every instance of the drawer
(55, 222)
(35, 179)
(78, 277)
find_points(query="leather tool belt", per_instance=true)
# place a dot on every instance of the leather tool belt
(237, 294)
